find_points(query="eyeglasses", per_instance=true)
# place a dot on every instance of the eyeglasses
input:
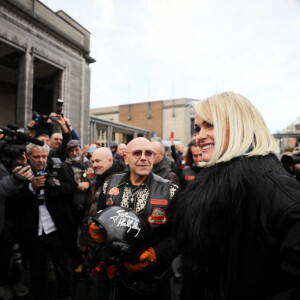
(138, 153)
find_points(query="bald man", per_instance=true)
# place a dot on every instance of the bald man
(104, 167)
(121, 152)
(151, 197)
(162, 166)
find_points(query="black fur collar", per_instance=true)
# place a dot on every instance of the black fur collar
(207, 214)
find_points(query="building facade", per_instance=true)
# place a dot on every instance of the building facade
(159, 117)
(44, 56)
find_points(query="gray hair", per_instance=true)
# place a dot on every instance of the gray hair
(30, 147)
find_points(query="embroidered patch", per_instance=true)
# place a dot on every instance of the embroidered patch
(109, 201)
(189, 177)
(158, 216)
(158, 202)
(114, 191)
(90, 172)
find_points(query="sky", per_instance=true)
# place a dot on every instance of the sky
(148, 50)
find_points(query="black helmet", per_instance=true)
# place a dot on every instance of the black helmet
(125, 232)
(113, 144)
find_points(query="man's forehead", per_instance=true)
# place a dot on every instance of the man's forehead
(56, 136)
(98, 155)
(139, 144)
(36, 151)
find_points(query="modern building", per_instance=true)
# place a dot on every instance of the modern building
(44, 56)
(158, 117)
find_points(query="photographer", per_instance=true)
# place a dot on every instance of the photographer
(12, 179)
(291, 162)
(45, 223)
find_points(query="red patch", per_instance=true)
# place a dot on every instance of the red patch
(189, 177)
(158, 202)
(90, 172)
(109, 202)
(158, 216)
(182, 167)
(114, 191)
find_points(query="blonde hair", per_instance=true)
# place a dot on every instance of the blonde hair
(248, 133)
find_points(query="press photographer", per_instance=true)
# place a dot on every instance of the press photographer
(14, 174)
(58, 128)
(291, 162)
(47, 227)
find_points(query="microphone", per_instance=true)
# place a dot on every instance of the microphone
(22, 136)
(27, 138)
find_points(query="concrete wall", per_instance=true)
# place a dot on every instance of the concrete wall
(59, 41)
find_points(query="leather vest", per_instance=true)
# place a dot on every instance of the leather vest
(155, 213)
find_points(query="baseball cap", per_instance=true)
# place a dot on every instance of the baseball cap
(91, 149)
(73, 143)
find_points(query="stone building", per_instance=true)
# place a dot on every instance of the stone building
(44, 56)
(159, 117)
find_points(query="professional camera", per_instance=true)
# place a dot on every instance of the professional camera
(291, 159)
(41, 121)
(51, 173)
(12, 146)
(52, 183)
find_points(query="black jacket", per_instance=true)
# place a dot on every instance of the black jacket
(93, 206)
(239, 231)
(163, 169)
(188, 176)
(57, 205)
(157, 215)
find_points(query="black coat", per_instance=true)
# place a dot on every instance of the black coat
(188, 176)
(240, 231)
(57, 205)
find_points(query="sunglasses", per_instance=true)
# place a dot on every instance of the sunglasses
(138, 153)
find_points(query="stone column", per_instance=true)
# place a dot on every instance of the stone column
(25, 89)
(109, 134)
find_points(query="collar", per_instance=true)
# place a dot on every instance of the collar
(147, 181)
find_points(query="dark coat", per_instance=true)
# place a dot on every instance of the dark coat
(163, 169)
(57, 205)
(188, 176)
(240, 231)
(92, 207)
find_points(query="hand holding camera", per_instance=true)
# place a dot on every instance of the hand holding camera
(38, 182)
(22, 174)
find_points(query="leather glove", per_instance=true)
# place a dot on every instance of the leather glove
(147, 259)
(97, 233)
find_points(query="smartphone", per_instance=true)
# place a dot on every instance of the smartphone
(172, 135)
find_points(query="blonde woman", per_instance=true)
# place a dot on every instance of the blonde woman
(239, 227)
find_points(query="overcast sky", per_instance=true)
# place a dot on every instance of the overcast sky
(165, 49)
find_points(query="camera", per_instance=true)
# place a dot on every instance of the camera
(51, 172)
(291, 159)
(52, 183)
(59, 106)
(13, 145)
(41, 121)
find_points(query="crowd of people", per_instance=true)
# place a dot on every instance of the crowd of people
(218, 219)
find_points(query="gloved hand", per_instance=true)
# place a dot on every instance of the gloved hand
(147, 259)
(97, 233)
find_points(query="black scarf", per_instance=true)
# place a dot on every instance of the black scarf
(206, 217)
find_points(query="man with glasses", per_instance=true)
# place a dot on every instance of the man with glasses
(151, 197)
